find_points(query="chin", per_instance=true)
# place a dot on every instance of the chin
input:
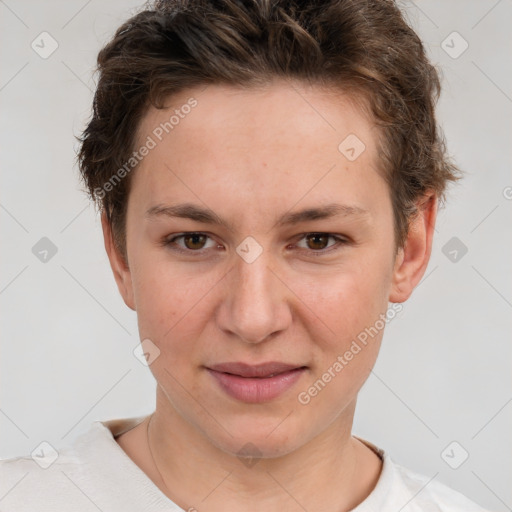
(262, 438)
(259, 447)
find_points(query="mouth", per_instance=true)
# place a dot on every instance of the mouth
(256, 383)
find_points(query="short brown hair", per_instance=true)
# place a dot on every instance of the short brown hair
(364, 47)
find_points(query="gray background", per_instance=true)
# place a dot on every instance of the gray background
(67, 338)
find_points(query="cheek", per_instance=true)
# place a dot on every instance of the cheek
(353, 304)
(349, 298)
(172, 305)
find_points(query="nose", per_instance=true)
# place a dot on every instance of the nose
(256, 303)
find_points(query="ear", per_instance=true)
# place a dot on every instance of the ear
(412, 259)
(120, 268)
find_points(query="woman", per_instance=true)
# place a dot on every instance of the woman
(268, 176)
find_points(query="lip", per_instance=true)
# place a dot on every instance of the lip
(256, 383)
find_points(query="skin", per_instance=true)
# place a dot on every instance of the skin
(251, 156)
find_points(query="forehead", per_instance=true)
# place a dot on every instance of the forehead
(278, 112)
(260, 141)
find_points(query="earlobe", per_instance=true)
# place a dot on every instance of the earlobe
(412, 259)
(120, 269)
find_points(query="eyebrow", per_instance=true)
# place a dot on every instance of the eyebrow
(207, 216)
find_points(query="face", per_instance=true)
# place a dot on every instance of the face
(259, 251)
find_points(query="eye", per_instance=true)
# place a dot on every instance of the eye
(192, 242)
(318, 242)
(196, 242)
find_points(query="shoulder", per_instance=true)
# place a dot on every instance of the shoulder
(91, 473)
(50, 479)
(428, 493)
(400, 488)
(37, 482)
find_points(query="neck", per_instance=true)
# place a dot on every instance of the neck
(333, 471)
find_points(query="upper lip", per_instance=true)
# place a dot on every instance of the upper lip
(259, 370)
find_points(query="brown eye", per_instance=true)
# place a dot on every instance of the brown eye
(191, 242)
(317, 241)
(194, 241)
(319, 244)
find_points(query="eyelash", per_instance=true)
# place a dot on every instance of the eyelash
(340, 241)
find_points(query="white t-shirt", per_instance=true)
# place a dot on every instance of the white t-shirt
(94, 473)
